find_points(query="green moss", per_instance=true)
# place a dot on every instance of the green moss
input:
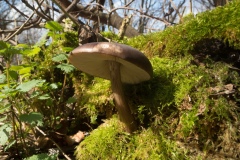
(94, 97)
(191, 100)
(220, 23)
(110, 142)
(106, 142)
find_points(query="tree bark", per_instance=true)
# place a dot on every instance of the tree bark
(114, 20)
(219, 2)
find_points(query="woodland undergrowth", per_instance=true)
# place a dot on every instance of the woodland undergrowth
(188, 110)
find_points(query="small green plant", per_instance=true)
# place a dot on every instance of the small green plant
(12, 109)
(33, 89)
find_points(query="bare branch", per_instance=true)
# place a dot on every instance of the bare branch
(44, 134)
(13, 6)
(33, 24)
(20, 28)
(69, 9)
(177, 10)
(44, 16)
(62, 6)
(115, 20)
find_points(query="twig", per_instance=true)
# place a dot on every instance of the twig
(13, 6)
(190, 3)
(36, 10)
(44, 134)
(113, 10)
(177, 10)
(34, 22)
(69, 8)
(126, 7)
(46, 11)
(64, 85)
(20, 28)
(123, 27)
(67, 14)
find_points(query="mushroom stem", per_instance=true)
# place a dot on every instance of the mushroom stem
(121, 104)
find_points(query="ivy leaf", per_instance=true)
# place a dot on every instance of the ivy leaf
(53, 26)
(33, 118)
(67, 68)
(60, 57)
(27, 86)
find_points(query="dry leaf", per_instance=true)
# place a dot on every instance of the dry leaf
(76, 138)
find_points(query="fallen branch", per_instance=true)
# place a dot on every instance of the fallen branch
(44, 134)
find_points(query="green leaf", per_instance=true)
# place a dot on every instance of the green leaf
(33, 118)
(9, 145)
(2, 78)
(53, 26)
(12, 51)
(4, 45)
(60, 57)
(16, 68)
(67, 68)
(4, 108)
(53, 86)
(71, 100)
(13, 75)
(6, 92)
(7, 51)
(67, 49)
(35, 94)
(27, 86)
(22, 46)
(25, 70)
(42, 156)
(3, 119)
(33, 51)
(43, 97)
(4, 133)
(49, 102)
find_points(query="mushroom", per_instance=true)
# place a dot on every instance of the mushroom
(118, 63)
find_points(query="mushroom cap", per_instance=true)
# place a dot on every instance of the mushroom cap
(93, 58)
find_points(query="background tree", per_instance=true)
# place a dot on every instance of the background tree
(18, 16)
(209, 4)
(147, 15)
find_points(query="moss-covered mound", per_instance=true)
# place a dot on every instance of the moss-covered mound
(190, 109)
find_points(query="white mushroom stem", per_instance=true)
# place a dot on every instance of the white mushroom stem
(121, 104)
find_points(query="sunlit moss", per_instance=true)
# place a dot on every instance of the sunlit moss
(182, 105)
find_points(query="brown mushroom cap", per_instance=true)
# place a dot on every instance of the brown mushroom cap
(93, 58)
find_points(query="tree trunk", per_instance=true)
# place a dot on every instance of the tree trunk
(219, 2)
(115, 20)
